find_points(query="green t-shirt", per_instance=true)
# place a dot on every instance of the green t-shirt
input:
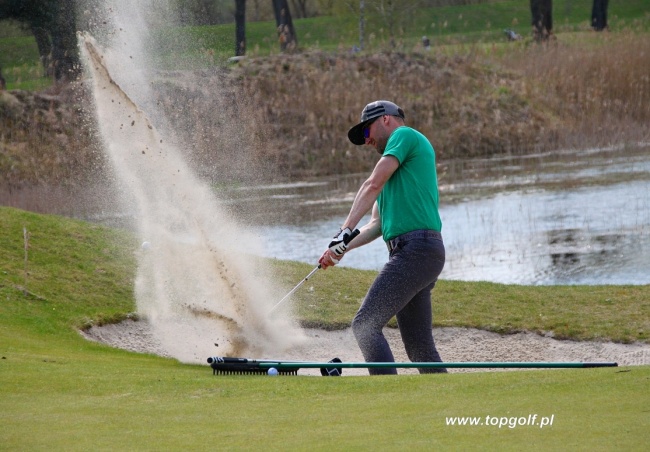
(409, 199)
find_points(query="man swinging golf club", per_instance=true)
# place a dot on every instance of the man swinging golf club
(402, 192)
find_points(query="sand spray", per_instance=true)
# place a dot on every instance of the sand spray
(198, 282)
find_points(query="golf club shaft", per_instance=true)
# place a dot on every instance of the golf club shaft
(355, 233)
(286, 297)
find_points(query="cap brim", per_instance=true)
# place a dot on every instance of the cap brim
(355, 134)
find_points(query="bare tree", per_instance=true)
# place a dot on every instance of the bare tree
(240, 27)
(599, 15)
(65, 56)
(388, 11)
(286, 32)
(54, 26)
(326, 7)
(542, 19)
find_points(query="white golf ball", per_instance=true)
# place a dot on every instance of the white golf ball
(273, 371)
(146, 245)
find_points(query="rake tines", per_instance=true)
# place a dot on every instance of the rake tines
(252, 371)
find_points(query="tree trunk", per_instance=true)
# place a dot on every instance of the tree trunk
(599, 15)
(240, 27)
(300, 8)
(286, 32)
(542, 15)
(65, 56)
(44, 48)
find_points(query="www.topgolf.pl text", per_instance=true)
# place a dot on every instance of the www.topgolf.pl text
(532, 420)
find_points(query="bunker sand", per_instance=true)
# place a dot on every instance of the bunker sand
(454, 344)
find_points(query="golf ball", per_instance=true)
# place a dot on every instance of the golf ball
(146, 245)
(273, 371)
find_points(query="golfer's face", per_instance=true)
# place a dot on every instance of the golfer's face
(373, 133)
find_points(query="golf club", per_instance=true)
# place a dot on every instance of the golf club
(286, 297)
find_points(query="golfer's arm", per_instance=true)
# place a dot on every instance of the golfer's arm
(369, 232)
(369, 191)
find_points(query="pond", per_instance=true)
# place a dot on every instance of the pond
(571, 217)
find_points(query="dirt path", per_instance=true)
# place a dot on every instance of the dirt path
(454, 344)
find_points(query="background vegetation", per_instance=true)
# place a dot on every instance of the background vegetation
(473, 94)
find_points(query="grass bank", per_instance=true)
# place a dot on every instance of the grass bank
(617, 313)
(61, 392)
(85, 273)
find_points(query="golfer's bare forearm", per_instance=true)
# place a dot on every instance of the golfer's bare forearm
(363, 202)
(367, 234)
(369, 191)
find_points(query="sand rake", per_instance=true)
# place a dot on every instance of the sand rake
(225, 366)
(242, 366)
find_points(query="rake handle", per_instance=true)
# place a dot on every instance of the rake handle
(265, 364)
(457, 365)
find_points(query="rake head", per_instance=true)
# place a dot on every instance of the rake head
(243, 366)
(247, 370)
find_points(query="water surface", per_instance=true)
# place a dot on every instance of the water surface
(572, 217)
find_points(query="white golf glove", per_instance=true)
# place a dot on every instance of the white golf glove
(341, 240)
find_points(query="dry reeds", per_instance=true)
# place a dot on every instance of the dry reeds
(600, 91)
(287, 116)
(467, 108)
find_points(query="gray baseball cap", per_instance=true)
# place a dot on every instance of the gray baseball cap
(372, 111)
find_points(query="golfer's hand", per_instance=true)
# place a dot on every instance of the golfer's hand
(339, 245)
(328, 259)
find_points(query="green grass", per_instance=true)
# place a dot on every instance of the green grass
(618, 313)
(61, 392)
(21, 65)
(89, 397)
(19, 58)
(85, 272)
(455, 26)
(75, 271)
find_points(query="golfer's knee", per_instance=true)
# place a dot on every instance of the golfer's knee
(357, 326)
(362, 330)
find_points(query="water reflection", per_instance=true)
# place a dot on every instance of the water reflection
(594, 235)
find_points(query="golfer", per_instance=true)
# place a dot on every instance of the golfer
(402, 192)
